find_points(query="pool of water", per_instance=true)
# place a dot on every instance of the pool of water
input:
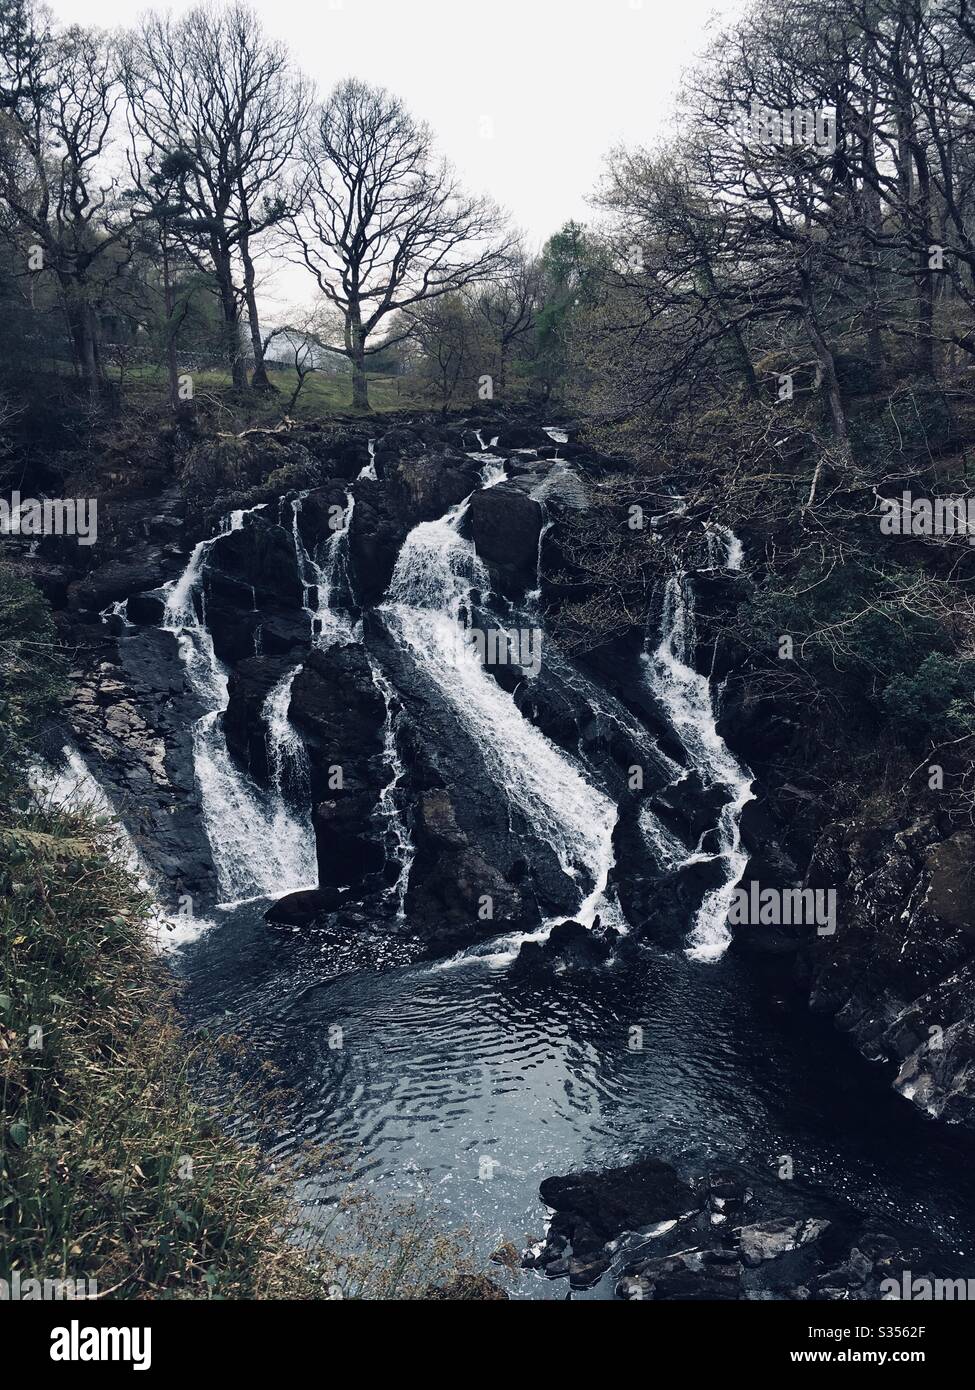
(463, 1087)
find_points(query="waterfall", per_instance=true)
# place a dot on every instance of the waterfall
(493, 471)
(397, 835)
(321, 582)
(369, 470)
(686, 696)
(287, 759)
(717, 536)
(74, 787)
(428, 596)
(118, 609)
(535, 594)
(260, 846)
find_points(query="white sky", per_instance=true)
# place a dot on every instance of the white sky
(526, 97)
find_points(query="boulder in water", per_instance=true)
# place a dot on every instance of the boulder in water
(506, 524)
(570, 946)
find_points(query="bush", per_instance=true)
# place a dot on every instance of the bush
(31, 672)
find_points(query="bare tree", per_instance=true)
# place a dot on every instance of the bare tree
(212, 89)
(451, 336)
(58, 93)
(508, 305)
(385, 225)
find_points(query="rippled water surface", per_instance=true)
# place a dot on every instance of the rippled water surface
(446, 1074)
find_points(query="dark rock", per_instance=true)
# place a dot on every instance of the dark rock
(260, 557)
(593, 1209)
(375, 537)
(505, 525)
(340, 713)
(118, 579)
(148, 608)
(569, 945)
(454, 892)
(244, 725)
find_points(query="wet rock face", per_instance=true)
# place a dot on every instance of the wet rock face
(592, 1209)
(118, 579)
(569, 946)
(319, 512)
(375, 537)
(257, 559)
(131, 716)
(422, 489)
(506, 525)
(249, 685)
(340, 713)
(726, 1234)
(455, 894)
(898, 972)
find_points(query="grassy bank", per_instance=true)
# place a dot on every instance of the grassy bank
(113, 1169)
(109, 1170)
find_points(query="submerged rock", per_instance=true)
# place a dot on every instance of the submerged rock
(569, 945)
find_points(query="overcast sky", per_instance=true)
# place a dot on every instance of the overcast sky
(526, 96)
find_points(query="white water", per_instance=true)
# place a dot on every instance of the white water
(535, 594)
(397, 834)
(428, 596)
(369, 469)
(286, 754)
(686, 696)
(260, 846)
(320, 581)
(118, 609)
(74, 787)
(734, 552)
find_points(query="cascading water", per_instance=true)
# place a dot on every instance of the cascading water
(428, 595)
(260, 846)
(397, 835)
(287, 759)
(369, 470)
(322, 582)
(73, 786)
(686, 696)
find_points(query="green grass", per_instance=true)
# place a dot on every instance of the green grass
(111, 1167)
(320, 396)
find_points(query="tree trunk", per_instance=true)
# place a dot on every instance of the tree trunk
(172, 369)
(231, 320)
(83, 329)
(355, 346)
(360, 388)
(259, 377)
(925, 288)
(831, 382)
(89, 360)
